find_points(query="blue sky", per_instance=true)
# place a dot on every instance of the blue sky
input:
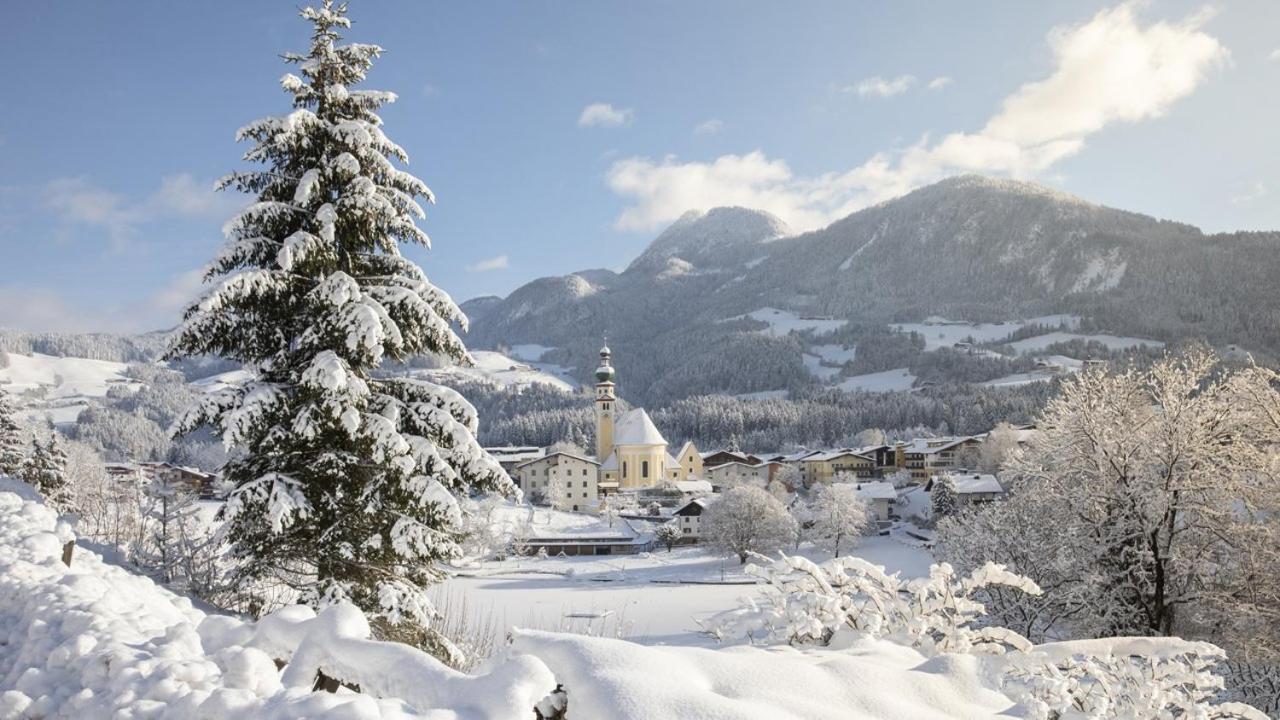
(564, 135)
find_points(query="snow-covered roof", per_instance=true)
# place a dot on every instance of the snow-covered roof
(877, 490)
(511, 453)
(611, 462)
(672, 462)
(975, 483)
(686, 447)
(693, 486)
(555, 458)
(935, 444)
(833, 454)
(635, 428)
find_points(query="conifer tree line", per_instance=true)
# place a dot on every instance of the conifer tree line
(42, 463)
(346, 484)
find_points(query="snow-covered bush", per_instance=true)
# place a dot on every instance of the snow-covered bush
(839, 516)
(810, 603)
(1122, 678)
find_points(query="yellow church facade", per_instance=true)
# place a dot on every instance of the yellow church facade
(633, 453)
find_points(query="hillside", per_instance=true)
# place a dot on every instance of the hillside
(686, 316)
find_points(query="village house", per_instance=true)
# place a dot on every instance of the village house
(720, 457)
(509, 456)
(688, 518)
(971, 488)
(730, 474)
(203, 484)
(825, 466)
(880, 497)
(926, 457)
(564, 480)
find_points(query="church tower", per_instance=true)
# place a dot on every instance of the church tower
(606, 405)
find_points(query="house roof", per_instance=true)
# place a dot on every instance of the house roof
(672, 462)
(555, 456)
(834, 454)
(686, 447)
(693, 486)
(701, 502)
(635, 428)
(974, 483)
(877, 490)
(611, 462)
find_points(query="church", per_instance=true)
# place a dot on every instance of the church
(631, 451)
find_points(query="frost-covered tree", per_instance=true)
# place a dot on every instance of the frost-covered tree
(995, 449)
(942, 497)
(667, 534)
(173, 534)
(346, 483)
(46, 470)
(747, 519)
(12, 440)
(839, 516)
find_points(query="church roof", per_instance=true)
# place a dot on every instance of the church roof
(635, 428)
(611, 462)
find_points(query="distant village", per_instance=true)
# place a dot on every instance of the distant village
(635, 477)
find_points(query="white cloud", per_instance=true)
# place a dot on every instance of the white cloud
(880, 87)
(1256, 191)
(605, 115)
(939, 82)
(1109, 70)
(708, 127)
(76, 201)
(500, 262)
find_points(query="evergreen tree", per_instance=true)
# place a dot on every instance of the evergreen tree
(12, 458)
(46, 470)
(345, 484)
(173, 534)
(943, 497)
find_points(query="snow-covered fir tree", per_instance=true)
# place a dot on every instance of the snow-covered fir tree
(46, 470)
(942, 498)
(346, 484)
(12, 455)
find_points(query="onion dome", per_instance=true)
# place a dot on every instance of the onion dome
(604, 373)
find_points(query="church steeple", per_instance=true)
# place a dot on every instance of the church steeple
(606, 404)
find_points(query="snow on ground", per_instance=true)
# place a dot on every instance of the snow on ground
(1113, 342)
(651, 598)
(871, 680)
(64, 386)
(940, 333)
(886, 381)
(834, 354)
(494, 367)
(529, 352)
(61, 377)
(222, 381)
(814, 365)
(763, 395)
(782, 322)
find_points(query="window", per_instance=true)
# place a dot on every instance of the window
(687, 531)
(624, 468)
(584, 483)
(644, 469)
(584, 471)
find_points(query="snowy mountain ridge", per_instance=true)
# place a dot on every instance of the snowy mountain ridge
(969, 247)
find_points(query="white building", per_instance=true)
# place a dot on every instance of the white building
(688, 518)
(566, 481)
(880, 497)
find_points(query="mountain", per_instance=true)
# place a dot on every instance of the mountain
(686, 315)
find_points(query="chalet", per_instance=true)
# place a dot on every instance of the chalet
(720, 457)
(880, 497)
(688, 518)
(926, 457)
(203, 484)
(597, 538)
(738, 473)
(971, 488)
(566, 481)
(824, 467)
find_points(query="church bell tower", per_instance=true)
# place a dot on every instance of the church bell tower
(606, 405)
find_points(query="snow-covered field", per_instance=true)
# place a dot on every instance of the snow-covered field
(783, 322)
(946, 333)
(650, 598)
(62, 386)
(494, 367)
(1113, 342)
(886, 381)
